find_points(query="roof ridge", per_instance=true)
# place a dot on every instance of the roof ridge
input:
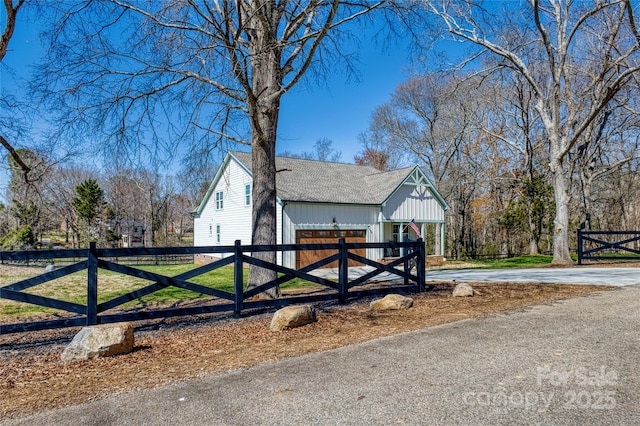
(313, 160)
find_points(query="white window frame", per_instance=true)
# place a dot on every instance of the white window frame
(247, 194)
(219, 198)
(218, 233)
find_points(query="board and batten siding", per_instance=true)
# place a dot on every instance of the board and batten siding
(299, 216)
(413, 202)
(234, 218)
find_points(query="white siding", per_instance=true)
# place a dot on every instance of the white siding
(413, 202)
(320, 216)
(235, 217)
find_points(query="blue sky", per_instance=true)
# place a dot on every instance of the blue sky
(339, 111)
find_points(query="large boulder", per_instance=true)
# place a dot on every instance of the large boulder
(100, 341)
(391, 302)
(463, 290)
(292, 316)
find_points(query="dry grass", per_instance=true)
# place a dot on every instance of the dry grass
(33, 378)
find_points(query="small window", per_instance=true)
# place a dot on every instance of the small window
(218, 234)
(219, 200)
(323, 234)
(211, 230)
(247, 194)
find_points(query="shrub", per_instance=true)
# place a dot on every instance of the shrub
(19, 239)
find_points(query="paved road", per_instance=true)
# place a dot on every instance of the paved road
(570, 362)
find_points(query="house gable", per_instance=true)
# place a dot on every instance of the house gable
(417, 178)
(216, 181)
(224, 215)
(414, 198)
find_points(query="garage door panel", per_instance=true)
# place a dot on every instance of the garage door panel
(322, 236)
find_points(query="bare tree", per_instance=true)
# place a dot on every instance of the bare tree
(60, 191)
(378, 153)
(512, 121)
(323, 150)
(199, 68)
(610, 142)
(157, 192)
(433, 120)
(575, 60)
(11, 7)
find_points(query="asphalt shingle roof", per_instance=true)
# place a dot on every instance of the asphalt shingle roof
(322, 182)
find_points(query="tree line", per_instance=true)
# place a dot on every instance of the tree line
(479, 142)
(72, 206)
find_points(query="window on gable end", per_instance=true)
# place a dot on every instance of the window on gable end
(219, 200)
(247, 194)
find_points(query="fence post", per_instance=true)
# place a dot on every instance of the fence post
(405, 264)
(420, 265)
(579, 246)
(238, 280)
(343, 274)
(92, 285)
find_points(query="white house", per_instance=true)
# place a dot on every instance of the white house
(320, 202)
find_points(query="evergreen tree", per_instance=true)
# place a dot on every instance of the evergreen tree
(89, 204)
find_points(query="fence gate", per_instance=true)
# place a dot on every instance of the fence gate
(608, 245)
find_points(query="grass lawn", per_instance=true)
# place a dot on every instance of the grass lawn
(514, 262)
(72, 288)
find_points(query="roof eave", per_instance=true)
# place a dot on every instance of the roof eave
(213, 184)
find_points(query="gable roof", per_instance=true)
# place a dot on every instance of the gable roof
(323, 182)
(312, 181)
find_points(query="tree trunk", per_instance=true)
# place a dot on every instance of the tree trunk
(264, 211)
(586, 185)
(264, 106)
(533, 243)
(561, 222)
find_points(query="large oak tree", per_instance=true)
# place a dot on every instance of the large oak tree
(200, 70)
(574, 56)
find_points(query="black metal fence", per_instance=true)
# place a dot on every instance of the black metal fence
(220, 301)
(608, 245)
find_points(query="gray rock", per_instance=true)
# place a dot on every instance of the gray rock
(100, 341)
(292, 316)
(49, 268)
(391, 302)
(463, 290)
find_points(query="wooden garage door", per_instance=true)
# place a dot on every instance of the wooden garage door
(329, 236)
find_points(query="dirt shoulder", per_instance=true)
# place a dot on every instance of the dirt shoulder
(32, 377)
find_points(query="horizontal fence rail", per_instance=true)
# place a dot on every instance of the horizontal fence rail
(237, 301)
(608, 245)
